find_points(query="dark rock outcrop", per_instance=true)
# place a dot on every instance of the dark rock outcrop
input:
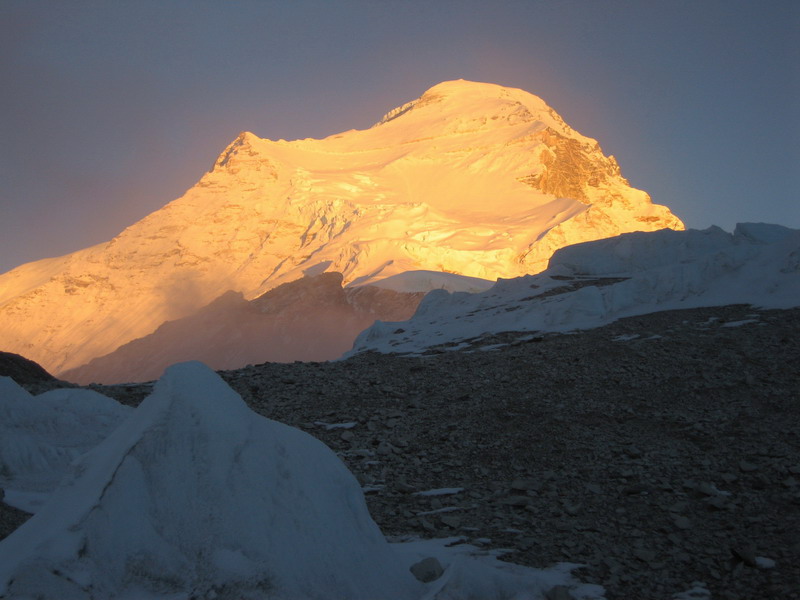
(22, 370)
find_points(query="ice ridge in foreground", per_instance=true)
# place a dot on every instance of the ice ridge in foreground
(41, 435)
(196, 496)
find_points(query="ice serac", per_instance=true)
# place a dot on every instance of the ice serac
(198, 496)
(41, 435)
(471, 178)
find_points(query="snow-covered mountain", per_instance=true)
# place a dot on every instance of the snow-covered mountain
(470, 178)
(311, 319)
(594, 283)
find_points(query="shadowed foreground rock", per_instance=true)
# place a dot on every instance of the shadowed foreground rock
(22, 370)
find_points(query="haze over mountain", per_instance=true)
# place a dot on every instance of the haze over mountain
(311, 319)
(470, 178)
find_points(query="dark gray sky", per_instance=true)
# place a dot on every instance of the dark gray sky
(110, 109)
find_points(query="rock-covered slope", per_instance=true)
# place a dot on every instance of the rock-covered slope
(659, 450)
(197, 496)
(470, 178)
(312, 318)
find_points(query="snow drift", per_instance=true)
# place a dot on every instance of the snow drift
(594, 283)
(195, 496)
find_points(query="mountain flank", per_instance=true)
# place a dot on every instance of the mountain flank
(313, 318)
(471, 178)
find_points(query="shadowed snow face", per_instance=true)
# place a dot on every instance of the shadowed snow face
(312, 319)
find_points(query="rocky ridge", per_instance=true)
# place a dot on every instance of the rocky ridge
(22, 370)
(662, 451)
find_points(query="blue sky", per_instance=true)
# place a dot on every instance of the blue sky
(109, 110)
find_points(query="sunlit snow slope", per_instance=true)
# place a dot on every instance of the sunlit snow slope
(470, 178)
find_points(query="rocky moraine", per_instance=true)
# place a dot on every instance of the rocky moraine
(661, 451)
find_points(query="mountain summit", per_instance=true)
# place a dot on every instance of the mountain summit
(470, 178)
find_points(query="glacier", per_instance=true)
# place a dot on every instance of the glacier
(594, 283)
